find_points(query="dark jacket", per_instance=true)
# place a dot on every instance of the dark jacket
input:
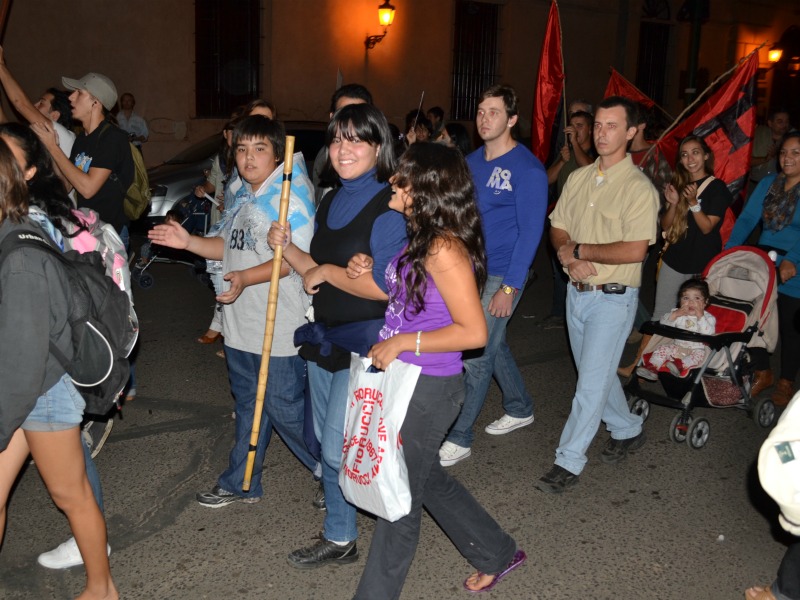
(33, 311)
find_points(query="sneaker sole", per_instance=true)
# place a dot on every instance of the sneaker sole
(449, 462)
(613, 459)
(497, 431)
(229, 502)
(549, 488)
(335, 562)
(60, 567)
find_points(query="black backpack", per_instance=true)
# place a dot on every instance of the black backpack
(103, 322)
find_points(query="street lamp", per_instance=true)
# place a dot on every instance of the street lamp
(385, 18)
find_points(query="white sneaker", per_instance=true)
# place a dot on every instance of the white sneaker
(507, 424)
(66, 555)
(450, 454)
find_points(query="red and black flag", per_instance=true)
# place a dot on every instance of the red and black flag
(549, 87)
(726, 121)
(619, 86)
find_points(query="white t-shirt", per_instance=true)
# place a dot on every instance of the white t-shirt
(246, 246)
(65, 138)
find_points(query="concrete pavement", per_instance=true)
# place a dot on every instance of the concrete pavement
(668, 523)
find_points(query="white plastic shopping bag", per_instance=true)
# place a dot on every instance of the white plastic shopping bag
(373, 474)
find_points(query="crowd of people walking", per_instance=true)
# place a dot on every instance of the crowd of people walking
(417, 249)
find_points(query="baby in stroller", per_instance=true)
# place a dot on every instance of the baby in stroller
(680, 356)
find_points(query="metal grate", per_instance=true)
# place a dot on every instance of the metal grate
(227, 36)
(475, 55)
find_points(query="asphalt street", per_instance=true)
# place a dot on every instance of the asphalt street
(669, 523)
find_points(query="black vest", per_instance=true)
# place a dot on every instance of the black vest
(332, 306)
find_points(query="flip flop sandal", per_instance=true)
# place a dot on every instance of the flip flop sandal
(519, 558)
(205, 339)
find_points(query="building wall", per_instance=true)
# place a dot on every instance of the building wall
(147, 47)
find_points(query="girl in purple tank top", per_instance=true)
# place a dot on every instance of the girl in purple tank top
(434, 314)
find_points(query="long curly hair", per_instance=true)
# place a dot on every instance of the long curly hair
(13, 191)
(45, 189)
(680, 179)
(443, 210)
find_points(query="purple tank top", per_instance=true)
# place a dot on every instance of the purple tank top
(435, 316)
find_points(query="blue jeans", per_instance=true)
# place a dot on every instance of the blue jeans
(93, 476)
(59, 408)
(496, 358)
(598, 326)
(283, 409)
(329, 402)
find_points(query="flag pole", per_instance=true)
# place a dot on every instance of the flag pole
(272, 308)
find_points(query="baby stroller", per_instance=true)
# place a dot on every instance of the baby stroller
(742, 283)
(192, 213)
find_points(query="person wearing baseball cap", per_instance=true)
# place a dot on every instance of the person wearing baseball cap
(100, 166)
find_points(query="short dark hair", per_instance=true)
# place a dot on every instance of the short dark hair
(61, 104)
(350, 90)
(695, 283)
(259, 103)
(776, 110)
(507, 93)
(366, 123)
(583, 115)
(631, 110)
(438, 112)
(259, 127)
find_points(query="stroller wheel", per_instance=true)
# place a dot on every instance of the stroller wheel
(764, 412)
(639, 406)
(679, 428)
(146, 281)
(698, 433)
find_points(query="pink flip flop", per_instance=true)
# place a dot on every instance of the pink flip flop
(519, 558)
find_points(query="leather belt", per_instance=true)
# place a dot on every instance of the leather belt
(608, 288)
(585, 287)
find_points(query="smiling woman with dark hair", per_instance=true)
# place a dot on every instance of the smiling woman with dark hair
(354, 218)
(774, 205)
(434, 314)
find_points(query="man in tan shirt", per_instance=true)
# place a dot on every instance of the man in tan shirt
(602, 226)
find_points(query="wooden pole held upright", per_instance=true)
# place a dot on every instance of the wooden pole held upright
(272, 308)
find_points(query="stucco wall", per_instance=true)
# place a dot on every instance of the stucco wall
(147, 47)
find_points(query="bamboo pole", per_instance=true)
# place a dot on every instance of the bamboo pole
(272, 308)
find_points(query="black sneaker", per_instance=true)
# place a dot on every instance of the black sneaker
(95, 434)
(319, 498)
(557, 480)
(322, 553)
(218, 498)
(617, 450)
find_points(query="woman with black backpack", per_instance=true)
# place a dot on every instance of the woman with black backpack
(40, 409)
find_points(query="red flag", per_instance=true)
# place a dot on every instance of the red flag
(549, 86)
(727, 122)
(619, 86)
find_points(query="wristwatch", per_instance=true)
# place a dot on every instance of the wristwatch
(508, 290)
(696, 207)
(576, 252)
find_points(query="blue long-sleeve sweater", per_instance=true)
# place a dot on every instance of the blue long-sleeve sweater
(512, 200)
(787, 239)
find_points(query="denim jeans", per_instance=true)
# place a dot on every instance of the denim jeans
(496, 358)
(59, 408)
(476, 535)
(598, 326)
(283, 410)
(787, 585)
(329, 402)
(124, 235)
(92, 475)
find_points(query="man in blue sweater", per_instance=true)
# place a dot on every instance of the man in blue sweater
(511, 185)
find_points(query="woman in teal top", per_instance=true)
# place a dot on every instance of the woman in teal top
(774, 205)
